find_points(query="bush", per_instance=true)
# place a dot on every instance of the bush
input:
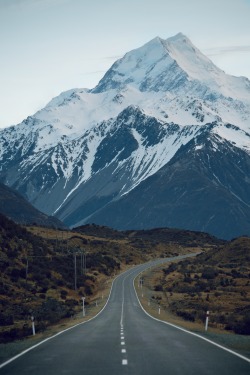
(64, 294)
(209, 273)
(51, 310)
(158, 288)
(6, 320)
(15, 274)
(186, 315)
(242, 327)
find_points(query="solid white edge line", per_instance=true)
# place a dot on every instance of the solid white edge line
(59, 333)
(191, 333)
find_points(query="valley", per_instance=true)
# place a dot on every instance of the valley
(46, 272)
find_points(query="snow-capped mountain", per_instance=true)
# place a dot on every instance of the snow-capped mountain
(88, 151)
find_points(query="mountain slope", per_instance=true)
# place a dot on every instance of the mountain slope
(16, 208)
(204, 187)
(89, 149)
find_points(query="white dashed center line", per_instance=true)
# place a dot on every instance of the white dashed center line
(123, 351)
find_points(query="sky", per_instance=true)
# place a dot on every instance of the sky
(50, 46)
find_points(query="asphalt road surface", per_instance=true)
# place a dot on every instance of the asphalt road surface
(122, 339)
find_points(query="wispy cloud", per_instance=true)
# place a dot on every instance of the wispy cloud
(226, 50)
(112, 57)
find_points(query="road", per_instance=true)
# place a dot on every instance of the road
(122, 339)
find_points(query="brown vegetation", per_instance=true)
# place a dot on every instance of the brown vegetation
(216, 281)
(38, 270)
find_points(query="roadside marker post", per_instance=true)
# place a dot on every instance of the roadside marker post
(33, 326)
(83, 308)
(206, 323)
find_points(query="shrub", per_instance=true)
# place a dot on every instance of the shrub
(209, 273)
(64, 294)
(15, 274)
(186, 315)
(6, 319)
(242, 327)
(51, 310)
(158, 288)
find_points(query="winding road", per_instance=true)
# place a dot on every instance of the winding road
(123, 339)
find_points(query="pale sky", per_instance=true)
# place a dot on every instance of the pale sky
(50, 46)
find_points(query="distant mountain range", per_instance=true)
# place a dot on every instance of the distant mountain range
(163, 140)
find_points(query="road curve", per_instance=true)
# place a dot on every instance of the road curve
(125, 340)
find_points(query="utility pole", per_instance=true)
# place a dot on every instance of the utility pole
(85, 262)
(82, 263)
(27, 268)
(75, 271)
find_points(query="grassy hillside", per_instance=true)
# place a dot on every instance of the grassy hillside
(215, 281)
(44, 274)
(38, 272)
(38, 277)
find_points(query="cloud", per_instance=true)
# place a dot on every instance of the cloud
(226, 50)
(112, 57)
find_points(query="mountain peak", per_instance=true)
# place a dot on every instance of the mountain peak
(142, 68)
(159, 65)
(178, 36)
(174, 66)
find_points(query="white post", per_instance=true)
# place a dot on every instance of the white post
(206, 324)
(33, 325)
(83, 308)
(159, 311)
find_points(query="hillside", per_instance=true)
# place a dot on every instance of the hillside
(45, 272)
(18, 209)
(37, 276)
(216, 281)
(153, 236)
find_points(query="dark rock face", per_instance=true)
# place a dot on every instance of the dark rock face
(204, 189)
(15, 207)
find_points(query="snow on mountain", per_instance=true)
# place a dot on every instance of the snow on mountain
(98, 145)
(168, 79)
